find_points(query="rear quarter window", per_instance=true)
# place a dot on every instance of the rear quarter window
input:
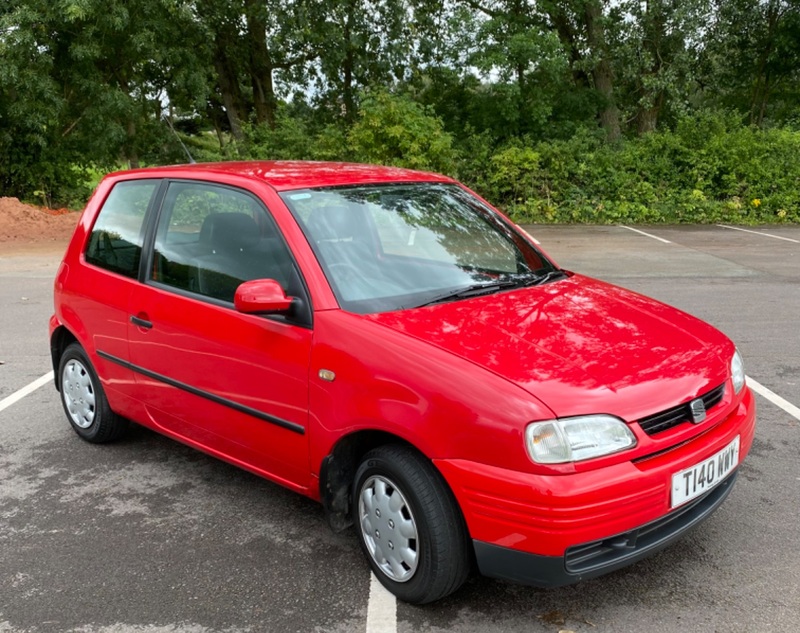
(118, 233)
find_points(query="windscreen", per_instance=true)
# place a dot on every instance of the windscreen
(398, 246)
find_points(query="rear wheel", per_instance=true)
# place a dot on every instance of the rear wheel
(84, 401)
(409, 525)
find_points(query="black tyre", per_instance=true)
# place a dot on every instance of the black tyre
(84, 400)
(409, 525)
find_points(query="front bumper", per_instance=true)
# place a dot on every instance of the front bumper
(555, 529)
(599, 557)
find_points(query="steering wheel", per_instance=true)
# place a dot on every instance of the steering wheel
(345, 272)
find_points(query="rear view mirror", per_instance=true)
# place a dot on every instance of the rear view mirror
(261, 296)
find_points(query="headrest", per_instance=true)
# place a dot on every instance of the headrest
(229, 231)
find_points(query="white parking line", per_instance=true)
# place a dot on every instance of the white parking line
(28, 389)
(381, 608)
(774, 398)
(655, 237)
(776, 237)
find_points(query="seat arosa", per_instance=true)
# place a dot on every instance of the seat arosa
(386, 342)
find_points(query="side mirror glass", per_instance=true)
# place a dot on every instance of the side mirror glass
(261, 296)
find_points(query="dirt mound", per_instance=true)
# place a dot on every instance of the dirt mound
(23, 223)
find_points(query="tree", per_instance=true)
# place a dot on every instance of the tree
(656, 45)
(83, 83)
(361, 43)
(752, 58)
(252, 41)
(525, 30)
(525, 62)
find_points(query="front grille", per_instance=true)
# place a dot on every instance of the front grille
(665, 420)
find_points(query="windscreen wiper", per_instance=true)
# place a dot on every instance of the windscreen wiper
(538, 280)
(490, 287)
(475, 290)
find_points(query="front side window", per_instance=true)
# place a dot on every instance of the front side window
(116, 239)
(389, 247)
(212, 238)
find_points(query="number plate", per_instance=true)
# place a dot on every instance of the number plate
(692, 482)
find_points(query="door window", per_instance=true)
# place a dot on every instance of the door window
(116, 239)
(212, 238)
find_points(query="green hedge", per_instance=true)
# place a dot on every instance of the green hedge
(709, 169)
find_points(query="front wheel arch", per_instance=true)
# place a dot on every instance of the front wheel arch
(338, 471)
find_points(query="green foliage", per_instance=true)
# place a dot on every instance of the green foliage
(81, 85)
(395, 130)
(752, 59)
(514, 173)
(289, 139)
(710, 169)
(360, 44)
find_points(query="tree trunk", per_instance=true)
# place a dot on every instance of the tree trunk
(647, 117)
(216, 114)
(132, 154)
(566, 34)
(232, 99)
(347, 91)
(261, 67)
(602, 74)
(764, 100)
(349, 66)
(759, 98)
(520, 71)
(652, 100)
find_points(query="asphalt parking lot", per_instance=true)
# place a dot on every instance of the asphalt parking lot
(148, 536)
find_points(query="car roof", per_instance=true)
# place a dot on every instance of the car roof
(286, 175)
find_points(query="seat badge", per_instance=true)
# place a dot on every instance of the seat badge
(698, 410)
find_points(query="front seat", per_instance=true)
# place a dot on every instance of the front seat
(232, 240)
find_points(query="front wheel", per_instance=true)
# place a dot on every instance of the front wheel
(84, 401)
(409, 525)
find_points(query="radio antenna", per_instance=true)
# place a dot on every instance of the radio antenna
(169, 123)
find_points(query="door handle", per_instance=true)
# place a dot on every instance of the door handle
(141, 322)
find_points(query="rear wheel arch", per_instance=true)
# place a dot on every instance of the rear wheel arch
(59, 341)
(84, 400)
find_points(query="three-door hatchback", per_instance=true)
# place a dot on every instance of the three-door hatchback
(386, 342)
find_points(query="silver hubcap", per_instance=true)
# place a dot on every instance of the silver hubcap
(78, 392)
(388, 528)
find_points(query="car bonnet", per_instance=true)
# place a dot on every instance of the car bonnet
(580, 345)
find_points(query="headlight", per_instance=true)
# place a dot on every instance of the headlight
(737, 372)
(576, 439)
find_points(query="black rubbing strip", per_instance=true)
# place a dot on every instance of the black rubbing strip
(291, 426)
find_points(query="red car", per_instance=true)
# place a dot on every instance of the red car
(386, 342)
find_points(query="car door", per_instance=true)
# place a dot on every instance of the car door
(95, 300)
(233, 384)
